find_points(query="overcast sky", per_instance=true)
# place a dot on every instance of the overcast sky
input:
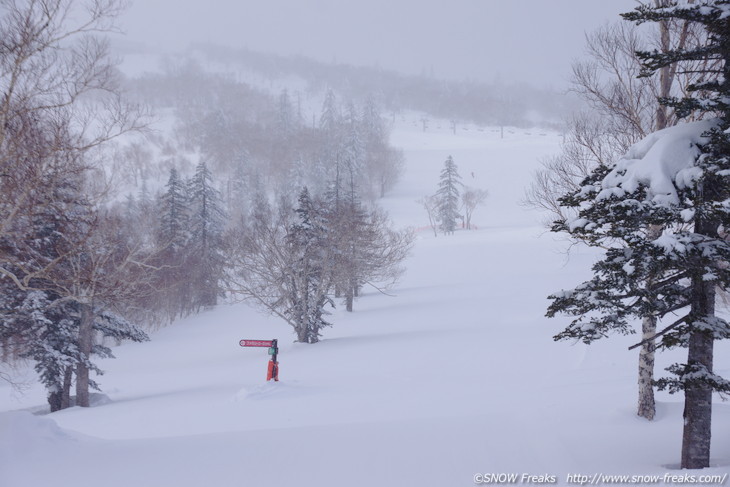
(513, 40)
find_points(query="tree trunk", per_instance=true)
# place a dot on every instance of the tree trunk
(698, 395)
(351, 292)
(302, 334)
(647, 405)
(697, 432)
(349, 298)
(86, 335)
(665, 75)
(66, 393)
(54, 400)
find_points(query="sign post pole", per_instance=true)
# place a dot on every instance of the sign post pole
(273, 369)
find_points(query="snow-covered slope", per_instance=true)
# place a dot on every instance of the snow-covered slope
(453, 375)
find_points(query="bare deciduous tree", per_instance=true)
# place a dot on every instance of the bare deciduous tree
(59, 100)
(290, 265)
(275, 265)
(430, 204)
(470, 199)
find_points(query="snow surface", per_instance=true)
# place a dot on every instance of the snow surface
(453, 375)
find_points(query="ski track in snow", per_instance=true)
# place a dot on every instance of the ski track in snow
(454, 375)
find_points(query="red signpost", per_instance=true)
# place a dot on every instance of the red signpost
(272, 371)
(256, 343)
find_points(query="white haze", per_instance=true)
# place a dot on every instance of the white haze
(531, 41)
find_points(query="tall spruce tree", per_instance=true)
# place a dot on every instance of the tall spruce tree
(172, 236)
(172, 225)
(285, 120)
(238, 191)
(329, 167)
(353, 150)
(678, 271)
(309, 273)
(50, 329)
(204, 248)
(346, 230)
(329, 119)
(448, 196)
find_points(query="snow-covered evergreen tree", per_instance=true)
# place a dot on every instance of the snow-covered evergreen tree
(51, 333)
(238, 191)
(49, 327)
(372, 123)
(676, 179)
(310, 272)
(624, 108)
(329, 167)
(448, 196)
(329, 119)
(381, 164)
(353, 151)
(285, 122)
(172, 234)
(173, 214)
(206, 223)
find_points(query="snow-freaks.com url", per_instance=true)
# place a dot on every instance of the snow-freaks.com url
(667, 478)
(599, 479)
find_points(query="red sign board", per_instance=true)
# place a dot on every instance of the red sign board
(256, 343)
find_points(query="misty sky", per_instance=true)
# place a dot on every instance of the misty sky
(513, 40)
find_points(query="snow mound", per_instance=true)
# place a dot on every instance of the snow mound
(663, 162)
(96, 399)
(270, 390)
(21, 430)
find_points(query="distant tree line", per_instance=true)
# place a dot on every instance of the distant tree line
(251, 138)
(495, 103)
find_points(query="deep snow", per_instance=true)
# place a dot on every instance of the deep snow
(453, 374)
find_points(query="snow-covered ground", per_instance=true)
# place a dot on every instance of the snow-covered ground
(450, 379)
